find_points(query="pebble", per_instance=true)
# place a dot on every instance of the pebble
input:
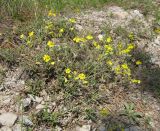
(5, 128)
(26, 102)
(8, 119)
(17, 127)
(101, 128)
(26, 121)
(133, 128)
(83, 128)
(40, 106)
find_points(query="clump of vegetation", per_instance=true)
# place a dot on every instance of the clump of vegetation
(131, 113)
(78, 63)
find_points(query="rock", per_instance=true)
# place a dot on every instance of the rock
(8, 119)
(100, 37)
(5, 128)
(154, 49)
(43, 93)
(136, 14)
(2, 87)
(83, 128)
(38, 99)
(7, 100)
(79, 27)
(40, 107)
(58, 128)
(17, 127)
(101, 128)
(26, 121)
(118, 12)
(26, 102)
(35, 98)
(31, 97)
(133, 128)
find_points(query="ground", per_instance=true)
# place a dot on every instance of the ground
(30, 110)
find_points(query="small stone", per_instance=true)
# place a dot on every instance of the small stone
(31, 97)
(2, 87)
(102, 128)
(26, 121)
(6, 100)
(133, 128)
(35, 98)
(40, 106)
(100, 37)
(58, 128)
(8, 119)
(26, 102)
(38, 99)
(5, 128)
(136, 13)
(83, 128)
(118, 12)
(79, 27)
(17, 127)
(43, 93)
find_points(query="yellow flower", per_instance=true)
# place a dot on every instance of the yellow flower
(51, 33)
(50, 44)
(85, 82)
(50, 13)
(38, 63)
(126, 69)
(65, 80)
(78, 39)
(104, 112)
(129, 48)
(157, 31)
(61, 30)
(138, 62)
(71, 29)
(89, 37)
(131, 36)
(109, 39)
(82, 39)
(22, 36)
(96, 45)
(30, 34)
(109, 62)
(69, 76)
(68, 71)
(75, 72)
(72, 20)
(81, 76)
(28, 42)
(76, 78)
(124, 66)
(52, 63)
(136, 81)
(120, 45)
(109, 49)
(117, 69)
(49, 25)
(46, 58)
